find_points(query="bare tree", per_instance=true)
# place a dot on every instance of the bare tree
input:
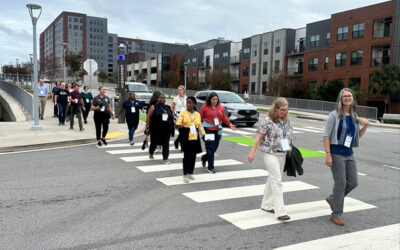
(280, 84)
(141, 76)
(172, 78)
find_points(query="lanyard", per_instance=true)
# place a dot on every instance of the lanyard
(283, 125)
(182, 101)
(215, 111)
(190, 117)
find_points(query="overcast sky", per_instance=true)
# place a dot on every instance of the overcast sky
(185, 21)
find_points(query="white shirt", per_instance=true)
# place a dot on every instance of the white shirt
(180, 104)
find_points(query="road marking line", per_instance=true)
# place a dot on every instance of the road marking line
(177, 166)
(362, 174)
(392, 167)
(250, 129)
(126, 145)
(146, 157)
(220, 176)
(257, 218)
(241, 144)
(305, 129)
(135, 150)
(239, 132)
(320, 129)
(244, 191)
(297, 132)
(386, 237)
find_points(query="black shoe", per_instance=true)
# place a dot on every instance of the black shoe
(176, 145)
(211, 171)
(104, 141)
(71, 127)
(99, 144)
(85, 122)
(82, 129)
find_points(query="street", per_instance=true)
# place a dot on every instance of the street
(114, 197)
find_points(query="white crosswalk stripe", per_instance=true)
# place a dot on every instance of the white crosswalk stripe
(136, 150)
(146, 157)
(220, 176)
(306, 130)
(257, 218)
(386, 237)
(125, 145)
(244, 191)
(177, 166)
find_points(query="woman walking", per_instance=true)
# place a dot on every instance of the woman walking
(275, 137)
(87, 100)
(178, 105)
(212, 116)
(342, 133)
(102, 111)
(189, 122)
(159, 125)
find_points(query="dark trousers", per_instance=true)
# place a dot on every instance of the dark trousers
(86, 112)
(211, 148)
(55, 112)
(178, 139)
(75, 111)
(101, 120)
(62, 112)
(189, 158)
(164, 144)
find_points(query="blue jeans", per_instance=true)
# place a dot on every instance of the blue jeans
(211, 148)
(62, 112)
(131, 133)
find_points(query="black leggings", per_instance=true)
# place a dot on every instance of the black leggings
(189, 158)
(164, 144)
(99, 120)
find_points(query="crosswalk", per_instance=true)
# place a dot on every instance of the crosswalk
(229, 170)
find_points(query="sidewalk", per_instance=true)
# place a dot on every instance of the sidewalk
(18, 136)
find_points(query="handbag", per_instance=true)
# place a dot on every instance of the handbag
(294, 161)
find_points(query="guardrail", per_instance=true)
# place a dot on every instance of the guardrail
(23, 97)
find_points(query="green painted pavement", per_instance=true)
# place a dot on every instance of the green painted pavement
(306, 153)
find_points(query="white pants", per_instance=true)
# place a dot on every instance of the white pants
(273, 194)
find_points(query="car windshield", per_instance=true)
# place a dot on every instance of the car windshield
(138, 88)
(230, 98)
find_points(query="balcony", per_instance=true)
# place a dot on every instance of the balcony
(383, 27)
(235, 76)
(294, 71)
(153, 76)
(202, 79)
(379, 61)
(297, 50)
(385, 32)
(235, 59)
(153, 63)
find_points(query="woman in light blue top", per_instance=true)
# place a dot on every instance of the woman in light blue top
(342, 133)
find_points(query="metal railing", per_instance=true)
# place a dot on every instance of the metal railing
(378, 61)
(297, 50)
(383, 32)
(294, 71)
(235, 59)
(315, 106)
(24, 98)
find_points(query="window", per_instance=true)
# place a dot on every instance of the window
(313, 64)
(254, 50)
(328, 38)
(245, 71)
(340, 59)
(76, 27)
(265, 68)
(278, 46)
(225, 54)
(358, 30)
(314, 41)
(253, 69)
(265, 48)
(356, 57)
(216, 56)
(246, 50)
(194, 59)
(264, 87)
(276, 66)
(326, 62)
(253, 88)
(342, 33)
(193, 76)
(354, 81)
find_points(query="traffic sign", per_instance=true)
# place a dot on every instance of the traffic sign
(90, 66)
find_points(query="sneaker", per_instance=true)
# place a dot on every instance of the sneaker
(190, 176)
(99, 144)
(185, 179)
(166, 162)
(284, 217)
(131, 143)
(104, 141)
(151, 156)
(81, 129)
(211, 171)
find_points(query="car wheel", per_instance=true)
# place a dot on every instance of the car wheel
(250, 124)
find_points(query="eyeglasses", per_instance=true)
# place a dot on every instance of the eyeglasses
(347, 96)
(282, 110)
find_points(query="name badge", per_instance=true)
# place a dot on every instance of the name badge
(285, 144)
(133, 110)
(193, 129)
(210, 137)
(76, 100)
(106, 100)
(41, 92)
(87, 100)
(347, 142)
(183, 109)
(103, 109)
(164, 117)
(216, 121)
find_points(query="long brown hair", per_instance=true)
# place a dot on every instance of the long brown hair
(278, 103)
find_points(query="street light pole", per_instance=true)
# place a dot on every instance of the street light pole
(185, 64)
(31, 8)
(65, 46)
(31, 56)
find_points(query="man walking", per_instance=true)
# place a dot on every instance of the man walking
(53, 98)
(43, 93)
(131, 107)
(76, 104)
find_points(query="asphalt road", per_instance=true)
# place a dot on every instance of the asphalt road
(86, 198)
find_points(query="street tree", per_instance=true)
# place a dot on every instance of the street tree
(74, 63)
(327, 91)
(172, 78)
(220, 79)
(385, 82)
(280, 84)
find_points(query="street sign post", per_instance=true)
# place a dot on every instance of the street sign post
(91, 67)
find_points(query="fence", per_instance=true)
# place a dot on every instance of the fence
(23, 97)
